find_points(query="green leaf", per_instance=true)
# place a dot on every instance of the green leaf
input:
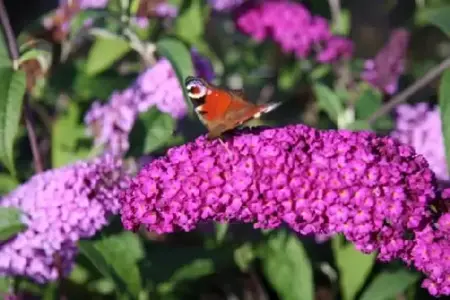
(105, 52)
(7, 183)
(5, 60)
(437, 16)
(116, 258)
(287, 267)
(191, 18)
(10, 223)
(387, 285)
(444, 106)
(243, 256)
(151, 131)
(12, 91)
(328, 101)
(359, 125)
(369, 101)
(180, 58)
(354, 267)
(66, 135)
(5, 284)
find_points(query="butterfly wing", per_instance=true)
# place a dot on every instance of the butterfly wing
(221, 110)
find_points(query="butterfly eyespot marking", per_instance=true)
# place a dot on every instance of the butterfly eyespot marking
(196, 89)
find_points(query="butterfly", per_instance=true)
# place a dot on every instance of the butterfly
(222, 110)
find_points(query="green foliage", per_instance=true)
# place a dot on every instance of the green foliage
(180, 58)
(347, 258)
(437, 16)
(191, 17)
(328, 101)
(105, 52)
(12, 90)
(116, 257)
(10, 223)
(7, 183)
(67, 135)
(387, 285)
(152, 131)
(287, 267)
(444, 105)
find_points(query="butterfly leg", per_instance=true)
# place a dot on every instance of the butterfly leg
(226, 147)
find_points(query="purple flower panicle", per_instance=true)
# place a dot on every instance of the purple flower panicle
(375, 191)
(420, 126)
(111, 123)
(315, 181)
(60, 207)
(293, 27)
(384, 70)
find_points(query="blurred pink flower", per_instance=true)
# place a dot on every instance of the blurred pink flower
(420, 126)
(384, 70)
(293, 27)
(60, 207)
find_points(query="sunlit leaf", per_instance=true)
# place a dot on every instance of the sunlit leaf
(191, 18)
(7, 183)
(10, 223)
(12, 91)
(104, 53)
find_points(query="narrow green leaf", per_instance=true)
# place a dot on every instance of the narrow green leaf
(437, 16)
(116, 258)
(444, 106)
(5, 284)
(104, 53)
(10, 223)
(191, 18)
(180, 58)
(328, 101)
(66, 134)
(221, 232)
(7, 183)
(287, 267)
(354, 267)
(387, 285)
(12, 90)
(5, 60)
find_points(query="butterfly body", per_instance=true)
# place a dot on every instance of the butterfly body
(222, 110)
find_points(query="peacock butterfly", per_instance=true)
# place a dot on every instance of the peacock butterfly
(222, 110)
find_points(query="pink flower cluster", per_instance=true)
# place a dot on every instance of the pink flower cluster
(420, 126)
(111, 123)
(293, 27)
(384, 70)
(225, 5)
(60, 207)
(374, 190)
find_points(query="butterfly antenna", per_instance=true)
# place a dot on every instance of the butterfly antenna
(271, 106)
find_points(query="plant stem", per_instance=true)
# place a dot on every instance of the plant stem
(411, 90)
(13, 50)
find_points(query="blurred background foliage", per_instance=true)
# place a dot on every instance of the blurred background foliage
(65, 74)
